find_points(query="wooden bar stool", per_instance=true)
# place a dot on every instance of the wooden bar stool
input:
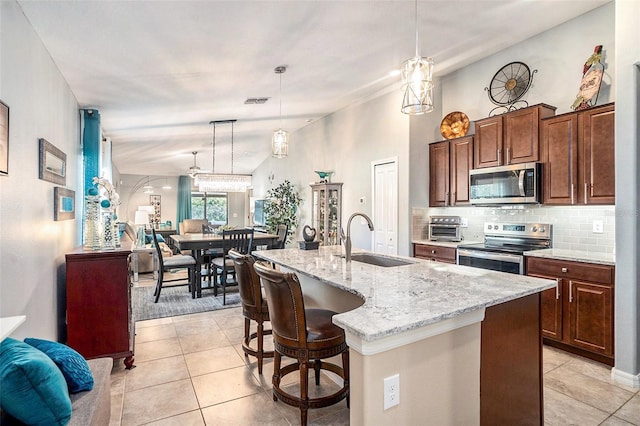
(254, 306)
(306, 335)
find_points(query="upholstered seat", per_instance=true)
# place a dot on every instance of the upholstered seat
(174, 262)
(306, 335)
(254, 306)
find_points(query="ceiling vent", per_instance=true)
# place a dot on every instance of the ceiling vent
(250, 101)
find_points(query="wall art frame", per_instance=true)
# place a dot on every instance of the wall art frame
(64, 203)
(53, 163)
(4, 138)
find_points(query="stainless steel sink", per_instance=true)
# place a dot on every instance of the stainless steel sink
(372, 259)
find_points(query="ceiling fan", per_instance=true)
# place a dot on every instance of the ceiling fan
(195, 170)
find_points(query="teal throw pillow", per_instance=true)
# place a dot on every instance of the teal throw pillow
(148, 239)
(73, 366)
(33, 388)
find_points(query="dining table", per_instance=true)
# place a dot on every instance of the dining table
(199, 243)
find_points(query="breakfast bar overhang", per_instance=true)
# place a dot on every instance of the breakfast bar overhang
(465, 342)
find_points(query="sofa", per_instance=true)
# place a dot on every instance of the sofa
(94, 407)
(192, 226)
(33, 385)
(145, 260)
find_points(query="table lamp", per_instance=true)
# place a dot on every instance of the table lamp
(142, 220)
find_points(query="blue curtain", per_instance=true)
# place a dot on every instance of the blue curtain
(184, 200)
(91, 147)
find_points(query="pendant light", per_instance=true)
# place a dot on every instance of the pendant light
(148, 188)
(212, 182)
(417, 81)
(280, 139)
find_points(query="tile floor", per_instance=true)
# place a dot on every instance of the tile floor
(190, 370)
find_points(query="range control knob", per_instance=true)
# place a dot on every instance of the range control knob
(542, 229)
(534, 229)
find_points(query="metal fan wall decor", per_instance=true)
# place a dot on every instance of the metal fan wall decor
(507, 87)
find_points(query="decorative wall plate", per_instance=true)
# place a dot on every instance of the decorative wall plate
(454, 125)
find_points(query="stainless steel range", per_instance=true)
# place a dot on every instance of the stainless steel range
(504, 245)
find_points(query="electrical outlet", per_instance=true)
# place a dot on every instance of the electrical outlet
(391, 391)
(464, 222)
(598, 227)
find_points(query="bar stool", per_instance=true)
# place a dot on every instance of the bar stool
(254, 306)
(306, 335)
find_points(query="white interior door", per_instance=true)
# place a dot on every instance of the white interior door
(385, 206)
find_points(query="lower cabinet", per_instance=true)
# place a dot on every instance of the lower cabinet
(577, 314)
(99, 321)
(435, 252)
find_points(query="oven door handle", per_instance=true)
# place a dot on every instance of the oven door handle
(490, 256)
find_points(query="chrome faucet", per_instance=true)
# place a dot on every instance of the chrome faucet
(347, 238)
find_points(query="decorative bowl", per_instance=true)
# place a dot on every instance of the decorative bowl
(324, 176)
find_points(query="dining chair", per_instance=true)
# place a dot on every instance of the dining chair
(254, 306)
(306, 335)
(240, 240)
(208, 255)
(282, 232)
(178, 261)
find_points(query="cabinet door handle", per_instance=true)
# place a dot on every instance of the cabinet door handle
(446, 198)
(453, 198)
(570, 291)
(586, 190)
(557, 288)
(564, 269)
(571, 193)
(433, 252)
(508, 158)
(499, 159)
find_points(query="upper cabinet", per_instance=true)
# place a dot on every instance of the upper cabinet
(449, 165)
(510, 138)
(579, 158)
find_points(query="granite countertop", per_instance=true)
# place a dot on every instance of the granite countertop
(408, 297)
(574, 255)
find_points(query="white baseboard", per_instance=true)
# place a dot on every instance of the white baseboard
(626, 379)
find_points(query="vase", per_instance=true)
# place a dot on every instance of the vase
(92, 238)
(108, 238)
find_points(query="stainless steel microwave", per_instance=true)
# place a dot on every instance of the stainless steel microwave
(514, 184)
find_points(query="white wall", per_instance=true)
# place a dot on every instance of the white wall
(32, 244)
(346, 142)
(627, 291)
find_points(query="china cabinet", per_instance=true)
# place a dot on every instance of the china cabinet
(326, 212)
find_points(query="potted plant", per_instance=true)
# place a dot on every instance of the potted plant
(282, 208)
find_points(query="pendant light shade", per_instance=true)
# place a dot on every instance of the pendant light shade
(417, 85)
(280, 144)
(216, 182)
(417, 81)
(280, 139)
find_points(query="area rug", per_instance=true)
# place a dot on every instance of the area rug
(176, 301)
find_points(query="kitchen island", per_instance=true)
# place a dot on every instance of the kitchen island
(450, 332)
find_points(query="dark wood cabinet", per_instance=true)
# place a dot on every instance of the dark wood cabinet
(510, 138)
(449, 165)
(577, 314)
(578, 155)
(435, 252)
(99, 321)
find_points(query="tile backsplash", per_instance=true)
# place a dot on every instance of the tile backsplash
(572, 225)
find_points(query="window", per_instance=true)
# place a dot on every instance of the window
(212, 207)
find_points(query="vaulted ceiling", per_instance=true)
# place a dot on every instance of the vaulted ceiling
(160, 71)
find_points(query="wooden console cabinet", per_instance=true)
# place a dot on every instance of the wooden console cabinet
(577, 315)
(435, 252)
(510, 138)
(578, 153)
(449, 165)
(99, 322)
